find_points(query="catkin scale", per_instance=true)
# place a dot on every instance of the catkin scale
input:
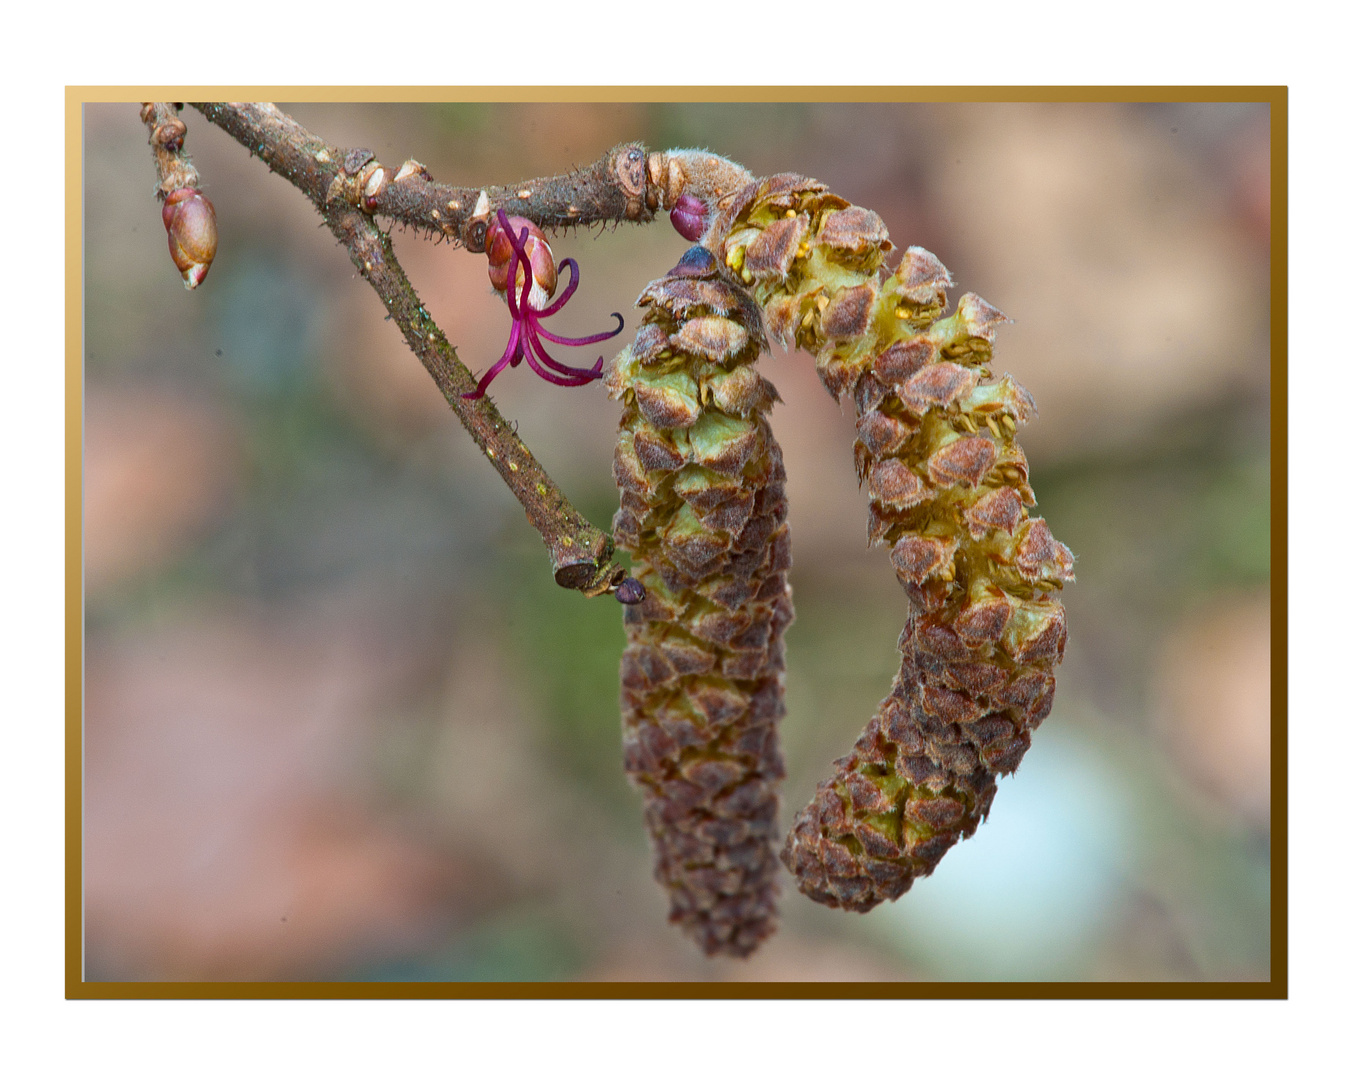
(948, 494)
(703, 516)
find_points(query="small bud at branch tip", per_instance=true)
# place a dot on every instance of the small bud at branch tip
(191, 224)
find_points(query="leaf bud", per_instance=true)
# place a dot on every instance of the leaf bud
(689, 217)
(371, 183)
(500, 252)
(191, 223)
(171, 134)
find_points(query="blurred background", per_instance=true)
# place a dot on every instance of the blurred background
(340, 724)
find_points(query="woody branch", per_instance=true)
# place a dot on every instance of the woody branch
(348, 187)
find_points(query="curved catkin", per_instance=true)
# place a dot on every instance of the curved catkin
(703, 516)
(948, 490)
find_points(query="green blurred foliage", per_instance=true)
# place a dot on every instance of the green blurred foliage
(566, 648)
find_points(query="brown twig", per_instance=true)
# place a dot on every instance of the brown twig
(625, 184)
(173, 166)
(189, 219)
(342, 185)
(350, 187)
(614, 188)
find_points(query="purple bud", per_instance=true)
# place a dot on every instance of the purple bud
(697, 261)
(689, 217)
(630, 591)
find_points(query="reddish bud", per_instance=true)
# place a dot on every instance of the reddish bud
(372, 182)
(171, 134)
(191, 223)
(499, 250)
(689, 217)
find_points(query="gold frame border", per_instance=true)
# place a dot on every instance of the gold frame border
(76, 988)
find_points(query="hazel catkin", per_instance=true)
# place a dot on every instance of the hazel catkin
(948, 496)
(703, 516)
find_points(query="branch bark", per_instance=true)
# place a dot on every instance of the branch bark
(166, 133)
(625, 184)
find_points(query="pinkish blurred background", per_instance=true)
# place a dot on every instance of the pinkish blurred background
(341, 725)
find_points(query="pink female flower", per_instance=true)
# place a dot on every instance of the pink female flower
(521, 268)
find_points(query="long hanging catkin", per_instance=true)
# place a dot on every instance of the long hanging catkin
(948, 490)
(703, 517)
